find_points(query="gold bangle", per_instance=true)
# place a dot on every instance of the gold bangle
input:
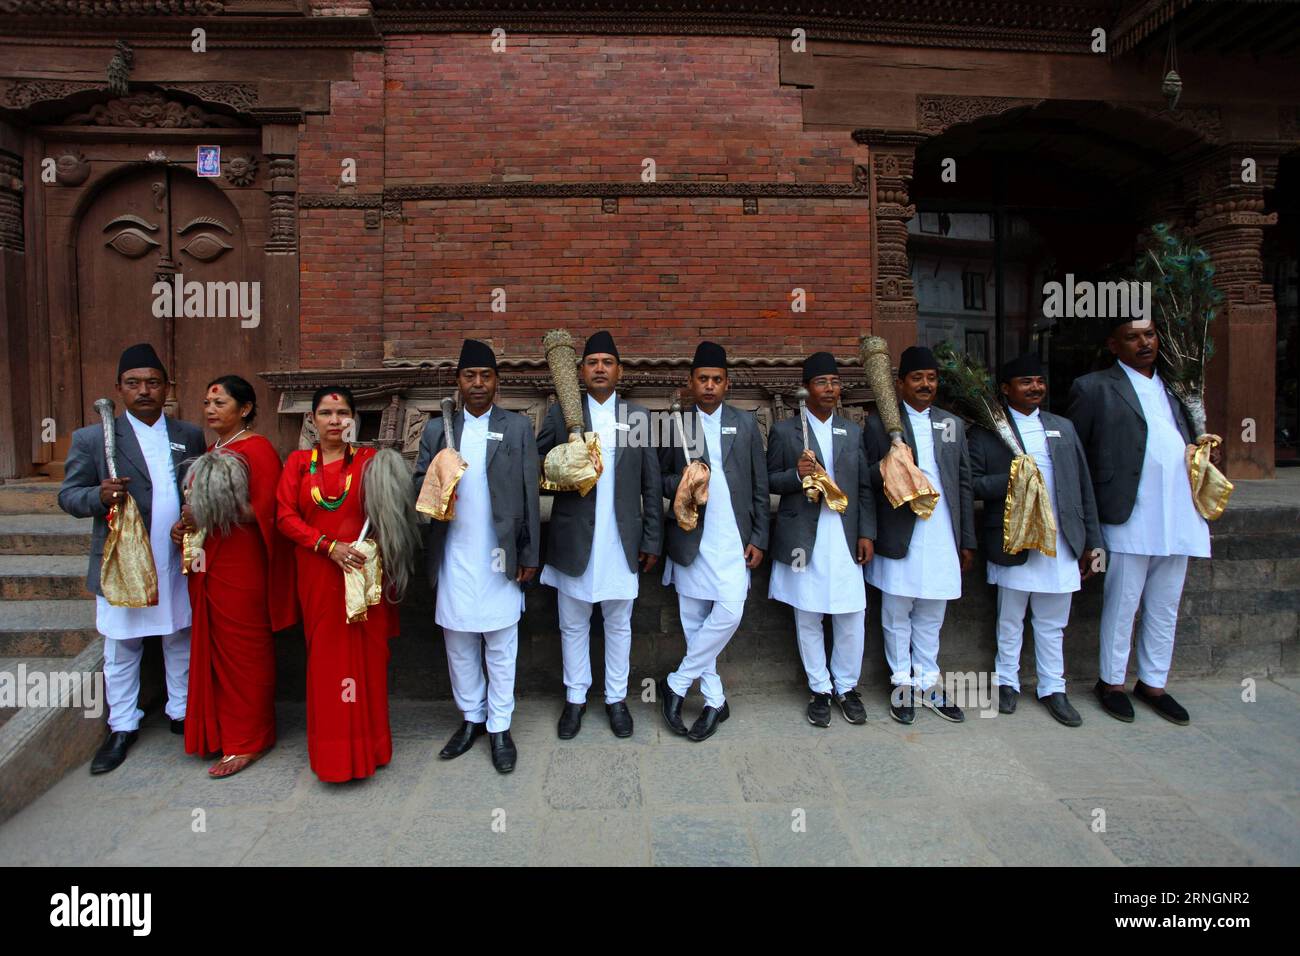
(316, 547)
(330, 550)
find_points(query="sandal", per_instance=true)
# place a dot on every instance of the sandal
(230, 758)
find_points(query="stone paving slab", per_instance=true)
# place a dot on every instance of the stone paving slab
(768, 789)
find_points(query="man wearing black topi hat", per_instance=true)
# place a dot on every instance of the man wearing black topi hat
(709, 565)
(479, 561)
(919, 562)
(816, 553)
(1031, 580)
(1135, 433)
(596, 540)
(150, 451)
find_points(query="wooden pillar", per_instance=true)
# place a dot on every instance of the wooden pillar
(16, 425)
(892, 154)
(1229, 225)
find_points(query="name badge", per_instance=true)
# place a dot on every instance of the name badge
(622, 426)
(839, 431)
(1053, 433)
(728, 429)
(495, 436)
(940, 426)
(176, 446)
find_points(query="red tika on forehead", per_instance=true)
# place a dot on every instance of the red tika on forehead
(335, 397)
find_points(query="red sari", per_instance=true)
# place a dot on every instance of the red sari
(347, 664)
(241, 597)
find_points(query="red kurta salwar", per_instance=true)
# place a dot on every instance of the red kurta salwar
(240, 598)
(347, 664)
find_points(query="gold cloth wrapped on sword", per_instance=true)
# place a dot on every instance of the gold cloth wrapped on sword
(904, 483)
(818, 483)
(364, 586)
(437, 497)
(1027, 519)
(127, 575)
(574, 465)
(1210, 487)
(693, 489)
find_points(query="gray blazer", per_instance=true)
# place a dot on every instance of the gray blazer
(1107, 414)
(512, 485)
(1076, 508)
(638, 493)
(894, 525)
(746, 473)
(796, 518)
(86, 467)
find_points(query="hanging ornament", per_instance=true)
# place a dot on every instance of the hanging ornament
(1172, 87)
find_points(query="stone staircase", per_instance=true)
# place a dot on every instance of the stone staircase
(47, 627)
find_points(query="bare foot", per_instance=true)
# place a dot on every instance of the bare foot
(231, 764)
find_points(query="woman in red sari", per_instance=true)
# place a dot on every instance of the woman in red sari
(240, 593)
(321, 509)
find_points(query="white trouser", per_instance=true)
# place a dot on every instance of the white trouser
(122, 677)
(708, 626)
(1156, 584)
(1051, 612)
(846, 650)
(480, 697)
(911, 627)
(575, 641)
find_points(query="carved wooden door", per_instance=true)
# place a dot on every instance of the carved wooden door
(152, 227)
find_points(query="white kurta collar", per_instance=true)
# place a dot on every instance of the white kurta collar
(914, 413)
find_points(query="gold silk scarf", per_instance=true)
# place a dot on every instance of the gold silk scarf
(437, 497)
(1027, 520)
(819, 483)
(575, 465)
(364, 586)
(127, 575)
(904, 482)
(692, 492)
(191, 548)
(1210, 487)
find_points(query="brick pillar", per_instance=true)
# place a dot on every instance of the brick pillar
(891, 158)
(1229, 224)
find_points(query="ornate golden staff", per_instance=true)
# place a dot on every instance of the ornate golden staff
(903, 481)
(127, 575)
(573, 465)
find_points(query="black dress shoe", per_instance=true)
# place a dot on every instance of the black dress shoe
(819, 709)
(571, 721)
(113, 751)
(1114, 702)
(706, 725)
(671, 705)
(1163, 704)
(178, 726)
(620, 718)
(462, 740)
(503, 752)
(1058, 705)
(901, 707)
(850, 703)
(1007, 697)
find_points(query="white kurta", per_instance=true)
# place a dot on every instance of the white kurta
(474, 593)
(831, 581)
(931, 568)
(1164, 519)
(172, 613)
(1039, 573)
(607, 576)
(718, 572)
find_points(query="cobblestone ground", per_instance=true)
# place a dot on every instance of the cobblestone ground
(767, 789)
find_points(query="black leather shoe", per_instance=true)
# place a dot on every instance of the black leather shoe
(819, 709)
(462, 740)
(901, 707)
(850, 703)
(671, 705)
(571, 721)
(1163, 704)
(706, 725)
(620, 718)
(178, 726)
(1114, 702)
(503, 752)
(1007, 697)
(113, 751)
(1058, 705)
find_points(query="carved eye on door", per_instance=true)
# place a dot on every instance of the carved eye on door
(205, 247)
(131, 243)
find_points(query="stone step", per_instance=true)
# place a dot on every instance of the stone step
(53, 534)
(42, 577)
(37, 496)
(46, 628)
